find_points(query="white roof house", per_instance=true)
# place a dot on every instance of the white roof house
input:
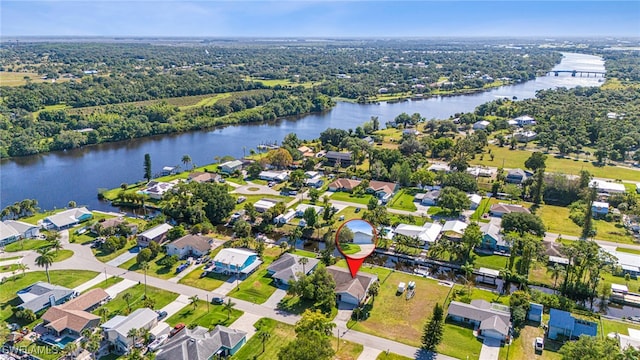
(274, 175)
(284, 218)
(68, 218)
(481, 125)
(455, 226)
(156, 234)
(117, 329)
(233, 256)
(426, 234)
(300, 209)
(607, 187)
(263, 205)
(8, 234)
(475, 200)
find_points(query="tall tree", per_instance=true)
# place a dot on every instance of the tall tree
(145, 266)
(45, 259)
(229, 306)
(147, 167)
(186, 159)
(194, 301)
(433, 329)
(588, 229)
(263, 336)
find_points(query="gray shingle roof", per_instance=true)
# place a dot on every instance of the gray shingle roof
(36, 297)
(480, 310)
(199, 343)
(345, 283)
(288, 266)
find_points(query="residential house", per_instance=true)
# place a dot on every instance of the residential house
(481, 125)
(343, 184)
(351, 290)
(382, 189)
(236, 261)
(68, 218)
(13, 230)
(114, 223)
(306, 151)
(278, 176)
(284, 218)
(42, 295)
(453, 229)
(428, 199)
(498, 210)
(516, 176)
(492, 238)
(230, 167)
(368, 139)
(524, 120)
(74, 316)
(607, 188)
(288, 268)
(479, 171)
(626, 341)
(599, 209)
(157, 234)
(410, 132)
(562, 323)
(312, 174)
(116, 330)
(475, 200)
(201, 344)
(426, 234)
(190, 245)
(203, 177)
(263, 205)
(535, 312)
(342, 158)
(525, 136)
(157, 189)
(440, 167)
(300, 209)
(168, 170)
(490, 319)
(316, 182)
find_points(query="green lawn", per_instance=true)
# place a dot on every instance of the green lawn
(391, 356)
(516, 159)
(556, 219)
(349, 248)
(11, 285)
(104, 284)
(118, 306)
(403, 200)
(389, 314)
(210, 282)
(155, 269)
(257, 287)
(215, 315)
(9, 268)
(496, 262)
(483, 208)
(522, 346)
(44, 352)
(621, 327)
(62, 255)
(345, 196)
(105, 256)
(28, 244)
(459, 342)
(630, 251)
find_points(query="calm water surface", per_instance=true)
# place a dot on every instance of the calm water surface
(56, 178)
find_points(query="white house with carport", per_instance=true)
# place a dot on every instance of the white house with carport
(426, 234)
(230, 167)
(66, 219)
(284, 218)
(263, 205)
(607, 188)
(157, 234)
(190, 245)
(12, 231)
(278, 176)
(116, 330)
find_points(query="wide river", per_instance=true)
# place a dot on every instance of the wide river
(56, 178)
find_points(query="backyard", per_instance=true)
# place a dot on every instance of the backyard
(118, 306)
(210, 282)
(403, 200)
(348, 197)
(205, 315)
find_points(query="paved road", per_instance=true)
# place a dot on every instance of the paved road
(95, 281)
(121, 259)
(490, 349)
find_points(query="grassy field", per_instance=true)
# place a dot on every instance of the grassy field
(281, 335)
(18, 78)
(459, 342)
(388, 317)
(258, 286)
(391, 356)
(28, 244)
(496, 262)
(62, 255)
(621, 327)
(403, 200)
(503, 156)
(556, 219)
(345, 196)
(210, 282)
(118, 306)
(155, 269)
(207, 316)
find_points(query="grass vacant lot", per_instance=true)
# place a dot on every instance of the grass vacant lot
(403, 200)
(216, 315)
(258, 286)
(496, 262)
(556, 219)
(388, 317)
(28, 244)
(155, 269)
(281, 335)
(8, 298)
(345, 196)
(210, 282)
(118, 306)
(516, 159)
(62, 255)
(8, 78)
(458, 341)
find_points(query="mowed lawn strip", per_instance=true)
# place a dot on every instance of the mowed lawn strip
(210, 282)
(215, 315)
(257, 287)
(29, 244)
(390, 312)
(105, 284)
(403, 200)
(155, 269)
(459, 342)
(391, 356)
(345, 196)
(118, 306)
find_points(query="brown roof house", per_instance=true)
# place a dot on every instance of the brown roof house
(383, 190)
(350, 290)
(500, 209)
(114, 223)
(190, 245)
(343, 185)
(73, 316)
(202, 177)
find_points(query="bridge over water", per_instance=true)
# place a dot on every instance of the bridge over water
(573, 73)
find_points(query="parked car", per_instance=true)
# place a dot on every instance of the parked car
(217, 300)
(241, 199)
(176, 329)
(181, 268)
(161, 314)
(358, 209)
(539, 344)
(14, 326)
(157, 342)
(293, 192)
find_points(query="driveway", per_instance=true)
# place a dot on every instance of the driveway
(227, 286)
(369, 353)
(490, 349)
(124, 257)
(184, 272)
(275, 298)
(123, 285)
(175, 306)
(245, 323)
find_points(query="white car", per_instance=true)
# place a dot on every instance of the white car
(158, 342)
(539, 344)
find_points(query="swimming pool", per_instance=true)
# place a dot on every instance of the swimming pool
(61, 342)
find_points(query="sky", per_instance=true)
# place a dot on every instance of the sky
(360, 225)
(321, 18)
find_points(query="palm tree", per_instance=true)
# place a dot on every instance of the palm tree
(133, 334)
(186, 159)
(263, 336)
(45, 259)
(127, 297)
(194, 301)
(303, 261)
(145, 266)
(229, 307)
(283, 247)
(556, 272)
(467, 269)
(103, 312)
(56, 245)
(69, 350)
(373, 291)
(506, 274)
(22, 267)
